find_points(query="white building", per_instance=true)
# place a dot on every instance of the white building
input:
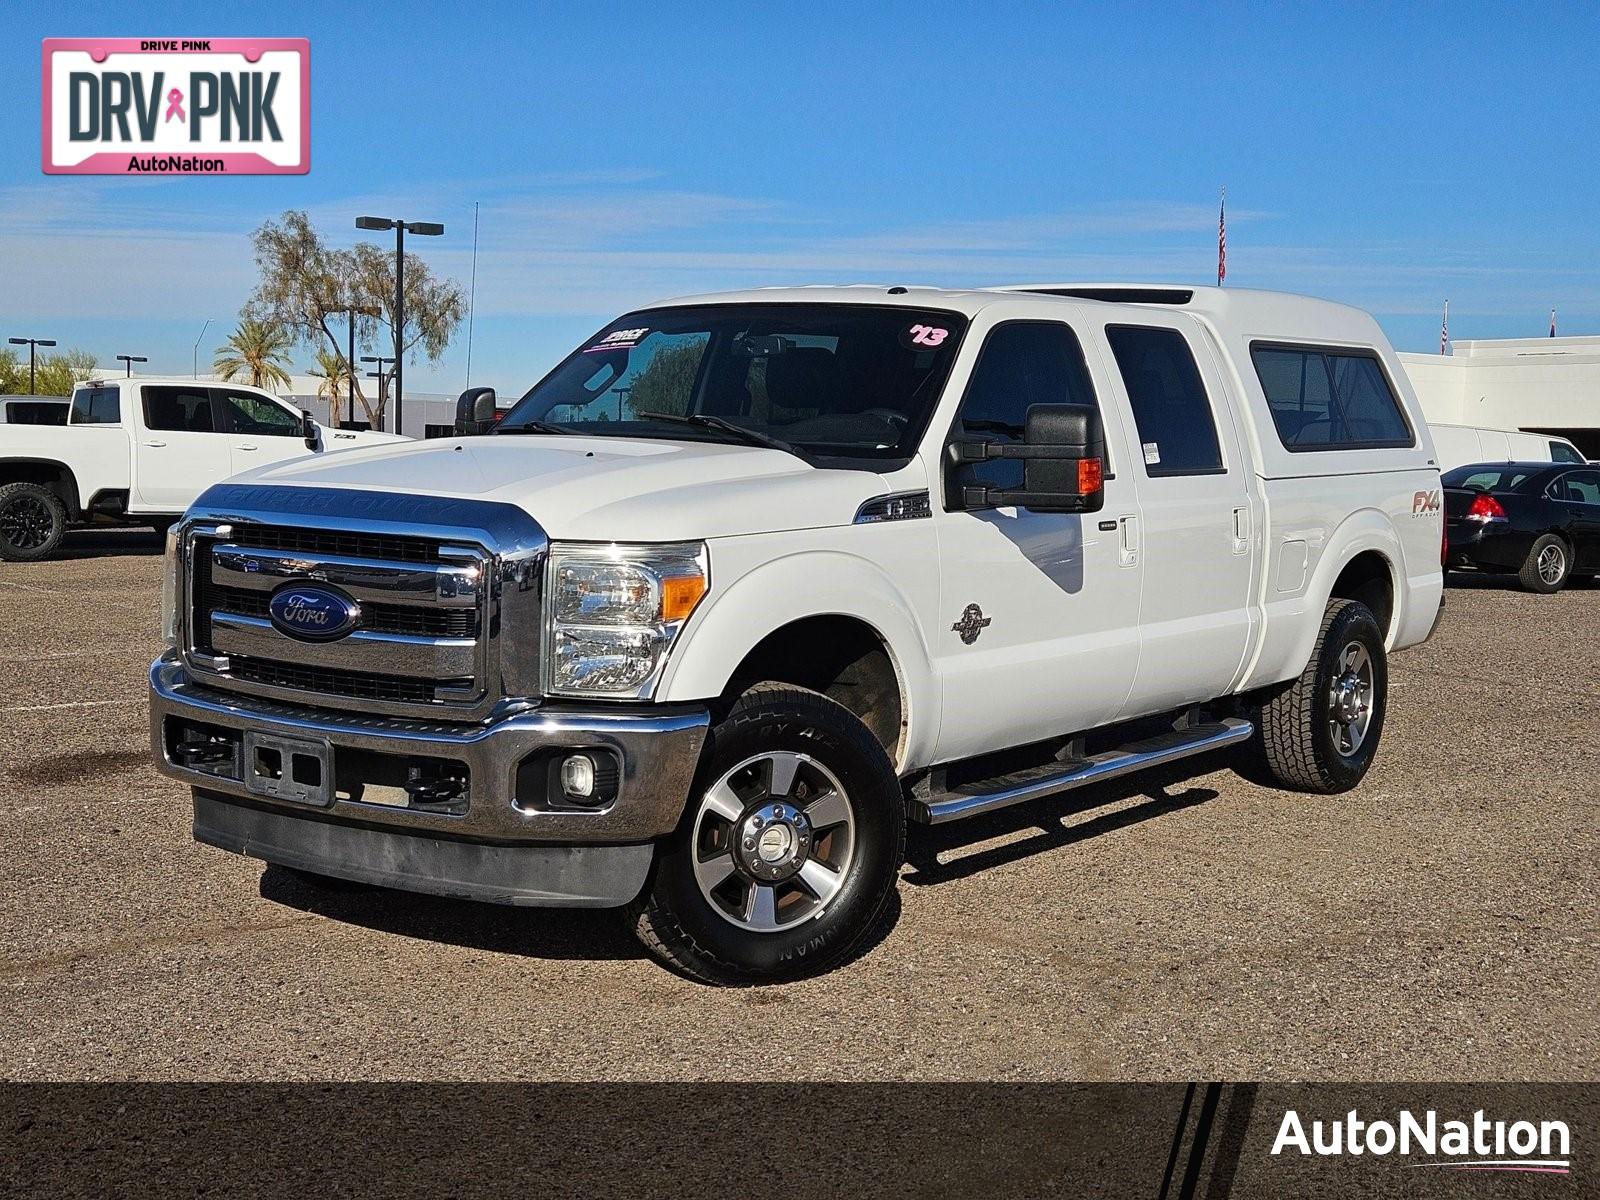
(1543, 385)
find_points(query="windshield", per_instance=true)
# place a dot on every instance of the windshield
(837, 381)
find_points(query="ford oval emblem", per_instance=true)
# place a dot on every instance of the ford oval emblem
(313, 613)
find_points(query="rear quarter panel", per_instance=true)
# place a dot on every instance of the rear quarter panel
(1315, 526)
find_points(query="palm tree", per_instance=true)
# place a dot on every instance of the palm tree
(255, 350)
(334, 372)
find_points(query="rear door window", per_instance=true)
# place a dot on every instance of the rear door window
(179, 409)
(1577, 487)
(1325, 399)
(1177, 431)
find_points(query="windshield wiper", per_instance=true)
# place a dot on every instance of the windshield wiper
(528, 427)
(743, 433)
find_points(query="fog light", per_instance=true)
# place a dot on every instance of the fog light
(577, 776)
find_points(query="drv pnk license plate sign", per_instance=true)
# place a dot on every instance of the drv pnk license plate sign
(177, 106)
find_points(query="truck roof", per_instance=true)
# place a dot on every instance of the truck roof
(170, 380)
(1239, 310)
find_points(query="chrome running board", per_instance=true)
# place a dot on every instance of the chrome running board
(968, 801)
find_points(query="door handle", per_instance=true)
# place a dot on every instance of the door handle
(1127, 541)
(155, 443)
(246, 446)
(1241, 530)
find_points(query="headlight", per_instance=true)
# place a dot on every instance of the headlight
(169, 590)
(613, 612)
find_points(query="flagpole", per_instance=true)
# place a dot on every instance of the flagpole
(1222, 238)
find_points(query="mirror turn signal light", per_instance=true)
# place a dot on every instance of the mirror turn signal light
(1091, 476)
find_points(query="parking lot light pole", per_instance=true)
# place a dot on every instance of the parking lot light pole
(380, 375)
(421, 229)
(31, 343)
(197, 342)
(130, 359)
(353, 311)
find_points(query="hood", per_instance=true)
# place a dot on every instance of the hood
(602, 488)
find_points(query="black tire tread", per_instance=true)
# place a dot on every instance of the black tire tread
(1528, 576)
(662, 934)
(1285, 720)
(58, 508)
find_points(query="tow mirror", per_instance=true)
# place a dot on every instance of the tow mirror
(475, 412)
(308, 429)
(1063, 457)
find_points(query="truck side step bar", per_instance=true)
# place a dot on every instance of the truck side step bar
(971, 799)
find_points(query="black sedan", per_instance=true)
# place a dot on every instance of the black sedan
(1538, 520)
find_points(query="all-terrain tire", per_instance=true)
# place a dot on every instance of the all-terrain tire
(1296, 737)
(691, 931)
(32, 522)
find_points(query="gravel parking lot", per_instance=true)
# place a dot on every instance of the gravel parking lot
(1439, 923)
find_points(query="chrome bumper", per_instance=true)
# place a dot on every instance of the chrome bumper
(657, 749)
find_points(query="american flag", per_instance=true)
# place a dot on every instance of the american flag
(1552, 322)
(1222, 239)
(1444, 330)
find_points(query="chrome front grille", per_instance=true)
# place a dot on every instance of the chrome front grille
(449, 624)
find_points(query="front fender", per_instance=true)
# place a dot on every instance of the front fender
(792, 588)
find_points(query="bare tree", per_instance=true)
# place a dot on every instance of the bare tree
(308, 288)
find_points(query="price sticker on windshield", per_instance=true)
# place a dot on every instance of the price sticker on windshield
(924, 337)
(619, 339)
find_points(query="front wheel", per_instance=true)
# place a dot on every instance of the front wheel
(787, 852)
(1320, 733)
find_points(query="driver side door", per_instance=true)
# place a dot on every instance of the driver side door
(1037, 634)
(260, 430)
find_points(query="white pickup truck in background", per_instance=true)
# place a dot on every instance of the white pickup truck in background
(749, 581)
(139, 451)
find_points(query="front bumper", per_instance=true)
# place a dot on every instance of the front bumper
(506, 810)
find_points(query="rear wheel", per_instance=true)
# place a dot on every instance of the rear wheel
(787, 853)
(32, 522)
(1321, 732)
(1547, 566)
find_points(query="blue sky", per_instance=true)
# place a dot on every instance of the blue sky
(1387, 156)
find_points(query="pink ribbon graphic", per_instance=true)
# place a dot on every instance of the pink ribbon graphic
(175, 105)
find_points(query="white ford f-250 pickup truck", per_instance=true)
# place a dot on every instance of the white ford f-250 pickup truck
(139, 451)
(749, 581)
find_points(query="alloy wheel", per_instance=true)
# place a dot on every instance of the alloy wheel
(773, 841)
(26, 523)
(1351, 700)
(1552, 564)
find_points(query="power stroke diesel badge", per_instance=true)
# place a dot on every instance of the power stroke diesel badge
(972, 623)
